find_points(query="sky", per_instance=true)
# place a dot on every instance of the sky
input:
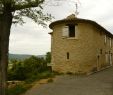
(35, 40)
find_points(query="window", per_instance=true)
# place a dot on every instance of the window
(100, 51)
(105, 39)
(110, 58)
(67, 55)
(106, 58)
(101, 32)
(65, 31)
(110, 42)
(69, 30)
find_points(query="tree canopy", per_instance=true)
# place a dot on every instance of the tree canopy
(25, 8)
(13, 11)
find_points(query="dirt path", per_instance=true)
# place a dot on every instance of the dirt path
(100, 83)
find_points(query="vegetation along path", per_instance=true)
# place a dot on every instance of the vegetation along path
(100, 83)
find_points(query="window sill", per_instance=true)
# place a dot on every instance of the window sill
(67, 60)
(73, 38)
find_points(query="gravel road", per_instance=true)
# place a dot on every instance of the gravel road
(100, 83)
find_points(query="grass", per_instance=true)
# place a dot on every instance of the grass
(38, 76)
(18, 89)
(21, 88)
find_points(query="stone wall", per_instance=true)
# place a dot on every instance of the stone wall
(86, 51)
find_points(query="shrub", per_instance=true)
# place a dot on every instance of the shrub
(50, 80)
(16, 90)
(69, 73)
(27, 69)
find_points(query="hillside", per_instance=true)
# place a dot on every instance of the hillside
(22, 56)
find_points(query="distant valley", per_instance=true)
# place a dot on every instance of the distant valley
(22, 56)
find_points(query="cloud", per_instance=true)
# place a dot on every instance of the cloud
(99, 11)
(29, 39)
(33, 39)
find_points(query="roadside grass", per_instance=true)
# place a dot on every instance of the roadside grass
(18, 89)
(42, 75)
(23, 87)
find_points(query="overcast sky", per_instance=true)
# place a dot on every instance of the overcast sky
(33, 39)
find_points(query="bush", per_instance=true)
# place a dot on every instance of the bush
(69, 73)
(30, 68)
(17, 72)
(43, 75)
(18, 89)
(50, 80)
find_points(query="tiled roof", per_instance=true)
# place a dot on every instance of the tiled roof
(74, 19)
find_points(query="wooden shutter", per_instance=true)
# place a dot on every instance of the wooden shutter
(65, 32)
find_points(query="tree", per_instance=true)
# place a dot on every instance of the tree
(13, 11)
(48, 57)
(28, 69)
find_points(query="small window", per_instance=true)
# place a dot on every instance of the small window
(100, 51)
(110, 42)
(69, 30)
(67, 55)
(101, 32)
(107, 58)
(105, 39)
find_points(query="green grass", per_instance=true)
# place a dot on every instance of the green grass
(38, 76)
(21, 88)
(18, 89)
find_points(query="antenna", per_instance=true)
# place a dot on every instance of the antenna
(76, 12)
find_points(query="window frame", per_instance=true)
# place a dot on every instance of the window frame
(65, 32)
(67, 55)
(110, 42)
(72, 30)
(105, 38)
(67, 29)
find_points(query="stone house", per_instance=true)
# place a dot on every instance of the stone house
(80, 46)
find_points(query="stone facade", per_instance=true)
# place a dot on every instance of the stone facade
(88, 51)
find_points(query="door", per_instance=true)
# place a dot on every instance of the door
(110, 59)
(107, 58)
(98, 57)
